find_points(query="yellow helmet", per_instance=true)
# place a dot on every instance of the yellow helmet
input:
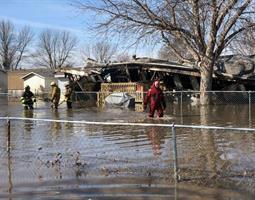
(52, 83)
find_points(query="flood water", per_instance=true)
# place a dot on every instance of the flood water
(50, 160)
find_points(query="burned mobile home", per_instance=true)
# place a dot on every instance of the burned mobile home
(231, 73)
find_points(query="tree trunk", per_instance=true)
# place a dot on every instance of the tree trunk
(206, 83)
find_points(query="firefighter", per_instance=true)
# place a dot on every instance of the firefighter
(68, 96)
(155, 99)
(28, 98)
(55, 95)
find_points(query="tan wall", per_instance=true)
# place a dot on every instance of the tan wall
(15, 81)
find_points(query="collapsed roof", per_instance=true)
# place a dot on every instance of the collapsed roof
(233, 68)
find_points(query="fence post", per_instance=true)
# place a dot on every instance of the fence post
(175, 153)
(249, 107)
(181, 108)
(8, 135)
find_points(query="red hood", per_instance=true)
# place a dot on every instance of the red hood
(153, 87)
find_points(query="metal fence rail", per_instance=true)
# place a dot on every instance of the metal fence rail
(129, 124)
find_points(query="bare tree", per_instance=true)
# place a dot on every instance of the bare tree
(55, 49)
(244, 43)
(168, 53)
(13, 45)
(102, 51)
(122, 57)
(205, 27)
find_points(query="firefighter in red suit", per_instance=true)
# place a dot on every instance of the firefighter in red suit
(155, 99)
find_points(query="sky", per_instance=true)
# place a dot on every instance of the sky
(54, 14)
(42, 14)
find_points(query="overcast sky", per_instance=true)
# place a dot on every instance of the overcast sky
(53, 14)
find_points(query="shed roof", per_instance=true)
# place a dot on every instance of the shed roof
(153, 64)
(42, 74)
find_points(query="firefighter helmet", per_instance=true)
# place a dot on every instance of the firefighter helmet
(53, 83)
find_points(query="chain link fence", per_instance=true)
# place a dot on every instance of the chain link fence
(186, 97)
(217, 97)
(179, 103)
(178, 97)
(42, 149)
(217, 158)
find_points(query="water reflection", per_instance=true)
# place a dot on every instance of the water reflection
(69, 116)
(9, 164)
(156, 138)
(55, 126)
(28, 124)
(208, 152)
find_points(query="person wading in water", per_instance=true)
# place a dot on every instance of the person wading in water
(68, 96)
(155, 99)
(55, 95)
(28, 98)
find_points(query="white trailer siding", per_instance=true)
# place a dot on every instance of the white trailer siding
(36, 83)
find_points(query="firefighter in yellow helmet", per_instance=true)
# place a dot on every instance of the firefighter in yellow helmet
(28, 98)
(55, 94)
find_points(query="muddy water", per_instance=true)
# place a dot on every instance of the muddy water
(71, 161)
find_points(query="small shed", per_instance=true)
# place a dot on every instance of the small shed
(3, 81)
(16, 83)
(39, 82)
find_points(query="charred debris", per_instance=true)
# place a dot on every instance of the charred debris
(231, 73)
